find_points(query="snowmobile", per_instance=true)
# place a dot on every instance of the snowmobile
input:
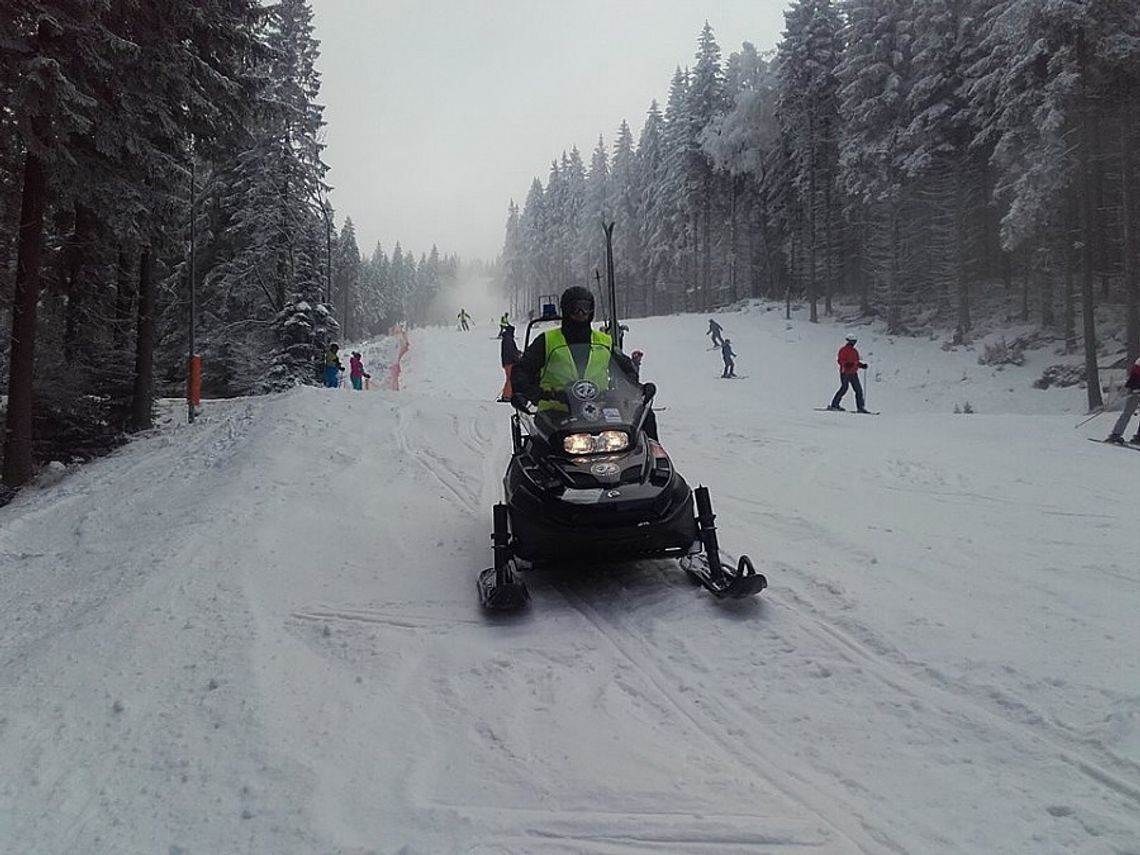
(586, 484)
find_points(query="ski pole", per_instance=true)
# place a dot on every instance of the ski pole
(1099, 410)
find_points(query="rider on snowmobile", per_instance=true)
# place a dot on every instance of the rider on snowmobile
(574, 351)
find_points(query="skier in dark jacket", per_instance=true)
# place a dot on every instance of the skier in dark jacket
(533, 383)
(1132, 384)
(726, 352)
(849, 366)
(509, 355)
(714, 330)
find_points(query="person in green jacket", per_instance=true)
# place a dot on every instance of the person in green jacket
(574, 351)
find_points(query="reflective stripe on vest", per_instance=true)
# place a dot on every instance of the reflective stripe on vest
(559, 370)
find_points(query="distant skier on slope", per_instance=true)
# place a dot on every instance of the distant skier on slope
(715, 331)
(463, 319)
(849, 366)
(1132, 384)
(728, 355)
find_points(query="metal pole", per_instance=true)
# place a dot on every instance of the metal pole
(615, 324)
(193, 303)
(328, 239)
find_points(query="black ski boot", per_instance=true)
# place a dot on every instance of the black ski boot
(1115, 439)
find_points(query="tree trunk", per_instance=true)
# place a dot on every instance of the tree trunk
(962, 261)
(812, 286)
(18, 464)
(124, 300)
(142, 399)
(1026, 266)
(1128, 250)
(1088, 298)
(79, 253)
(1044, 270)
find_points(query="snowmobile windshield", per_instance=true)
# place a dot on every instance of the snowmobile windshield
(601, 405)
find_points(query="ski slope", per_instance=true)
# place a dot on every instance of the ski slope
(259, 633)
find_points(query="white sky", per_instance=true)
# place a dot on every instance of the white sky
(441, 111)
(260, 633)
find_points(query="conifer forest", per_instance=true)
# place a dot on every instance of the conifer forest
(162, 192)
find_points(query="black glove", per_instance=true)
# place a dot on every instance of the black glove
(520, 402)
(862, 364)
(649, 390)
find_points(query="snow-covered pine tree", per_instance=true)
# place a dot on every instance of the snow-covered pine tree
(654, 254)
(596, 209)
(346, 275)
(624, 193)
(739, 142)
(874, 78)
(806, 64)
(705, 101)
(937, 151)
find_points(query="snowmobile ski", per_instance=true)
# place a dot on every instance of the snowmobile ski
(706, 568)
(1129, 445)
(500, 588)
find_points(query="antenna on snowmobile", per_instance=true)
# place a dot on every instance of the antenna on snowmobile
(615, 327)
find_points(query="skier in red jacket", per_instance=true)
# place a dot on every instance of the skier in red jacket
(1132, 384)
(849, 366)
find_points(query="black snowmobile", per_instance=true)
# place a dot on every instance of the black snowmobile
(587, 484)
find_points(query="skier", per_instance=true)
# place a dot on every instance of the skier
(542, 381)
(729, 365)
(1132, 384)
(356, 373)
(333, 366)
(636, 358)
(509, 356)
(714, 330)
(504, 322)
(463, 319)
(849, 366)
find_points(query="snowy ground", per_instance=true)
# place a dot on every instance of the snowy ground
(259, 633)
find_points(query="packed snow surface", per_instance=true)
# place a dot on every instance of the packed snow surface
(260, 634)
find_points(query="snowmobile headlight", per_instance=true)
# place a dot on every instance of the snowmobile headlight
(596, 443)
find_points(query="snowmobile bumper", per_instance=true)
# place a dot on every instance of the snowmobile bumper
(629, 521)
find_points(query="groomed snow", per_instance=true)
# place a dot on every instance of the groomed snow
(259, 633)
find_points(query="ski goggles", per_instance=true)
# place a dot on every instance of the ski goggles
(579, 307)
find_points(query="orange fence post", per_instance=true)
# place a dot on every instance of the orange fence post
(194, 381)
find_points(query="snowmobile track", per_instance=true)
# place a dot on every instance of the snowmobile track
(956, 700)
(719, 722)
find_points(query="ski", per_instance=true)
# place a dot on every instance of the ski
(734, 377)
(1130, 446)
(853, 412)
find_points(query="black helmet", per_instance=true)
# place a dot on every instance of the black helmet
(576, 294)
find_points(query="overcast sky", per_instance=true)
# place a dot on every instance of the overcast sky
(441, 111)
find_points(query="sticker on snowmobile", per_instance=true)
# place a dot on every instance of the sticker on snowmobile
(590, 412)
(582, 497)
(604, 469)
(612, 415)
(585, 390)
